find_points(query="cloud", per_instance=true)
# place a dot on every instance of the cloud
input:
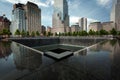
(38, 2)
(74, 19)
(104, 3)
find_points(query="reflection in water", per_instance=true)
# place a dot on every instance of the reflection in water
(100, 62)
(5, 50)
(110, 67)
(25, 58)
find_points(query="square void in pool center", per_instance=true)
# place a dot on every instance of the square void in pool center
(59, 51)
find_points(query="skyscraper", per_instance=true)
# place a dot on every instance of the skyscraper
(115, 14)
(33, 17)
(18, 18)
(60, 20)
(26, 17)
(83, 23)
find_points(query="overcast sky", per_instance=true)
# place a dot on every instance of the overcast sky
(94, 10)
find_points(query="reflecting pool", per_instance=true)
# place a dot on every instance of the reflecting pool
(99, 62)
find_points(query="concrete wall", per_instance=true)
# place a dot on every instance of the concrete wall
(37, 41)
(80, 41)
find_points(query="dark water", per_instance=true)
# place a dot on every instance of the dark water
(100, 62)
(72, 48)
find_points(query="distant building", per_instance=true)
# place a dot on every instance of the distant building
(108, 25)
(68, 29)
(43, 29)
(49, 29)
(4, 23)
(115, 14)
(96, 26)
(60, 20)
(26, 17)
(75, 28)
(83, 23)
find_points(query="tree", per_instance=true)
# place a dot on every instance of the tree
(49, 33)
(74, 34)
(84, 33)
(44, 33)
(17, 32)
(37, 33)
(118, 33)
(33, 34)
(56, 34)
(97, 33)
(103, 32)
(69, 33)
(23, 33)
(27, 33)
(92, 32)
(113, 31)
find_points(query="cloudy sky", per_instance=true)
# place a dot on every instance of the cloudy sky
(94, 10)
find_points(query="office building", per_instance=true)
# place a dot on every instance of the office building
(115, 14)
(33, 17)
(96, 26)
(108, 25)
(4, 23)
(26, 17)
(83, 23)
(18, 18)
(75, 28)
(60, 20)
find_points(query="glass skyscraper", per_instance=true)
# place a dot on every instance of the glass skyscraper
(60, 20)
(115, 14)
(26, 17)
(18, 19)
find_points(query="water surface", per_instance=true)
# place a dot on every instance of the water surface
(100, 62)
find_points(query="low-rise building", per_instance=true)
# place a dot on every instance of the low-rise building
(75, 28)
(4, 23)
(43, 29)
(49, 29)
(108, 25)
(96, 26)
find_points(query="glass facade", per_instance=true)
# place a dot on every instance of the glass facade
(18, 20)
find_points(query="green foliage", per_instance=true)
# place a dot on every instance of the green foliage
(37, 33)
(17, 32)
(74, 33)
(44, 33)
(103, 32)
(118, 33)
(69, 34)
(50, 34)
(84, 33)
(56, 34)
(92, 32)
(27, 33)
(23, 33)
(33, 34)
(97, 33)
(5, 32)
(113, 32)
